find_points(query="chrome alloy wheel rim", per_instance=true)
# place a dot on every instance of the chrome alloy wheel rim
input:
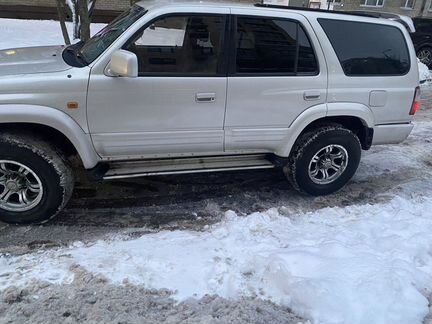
(20, 188)
(328, 164)
(425, 56)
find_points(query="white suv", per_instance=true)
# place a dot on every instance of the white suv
(178, 87)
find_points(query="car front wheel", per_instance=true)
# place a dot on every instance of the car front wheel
(35, 180)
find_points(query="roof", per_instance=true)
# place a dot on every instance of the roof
(366, 16)
(148, 4)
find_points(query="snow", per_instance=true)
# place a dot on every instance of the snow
(359, 264)
(341, 265)
(71, 5)
(356, 264)
(16, 33)
(424, 73)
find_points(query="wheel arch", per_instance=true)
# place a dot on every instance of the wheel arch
(53, 125)
(422, 45)
(355, 124)
(356, 117)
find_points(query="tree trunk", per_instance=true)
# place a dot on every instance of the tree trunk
(62, 19)
(91, 7)
(84, 17)
(81, 16)
(77, 20)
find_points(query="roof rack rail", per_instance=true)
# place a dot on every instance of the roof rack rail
(350, 13)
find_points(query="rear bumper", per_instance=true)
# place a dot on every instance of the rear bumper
(391, 134)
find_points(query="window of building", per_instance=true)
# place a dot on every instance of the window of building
(372, 3)
(408, 4)
(180, 45)
(315, 4)
(273, 46)
(366, 49)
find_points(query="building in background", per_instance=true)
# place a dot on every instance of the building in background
(412, 8)
(316, 4)
(106, 10)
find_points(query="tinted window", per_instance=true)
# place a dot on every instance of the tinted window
(273, 46)
(180, 45)
(306, 56)
(368, 49)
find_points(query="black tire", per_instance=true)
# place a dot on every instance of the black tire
(425, 55)
(308, 145)
(52, 172)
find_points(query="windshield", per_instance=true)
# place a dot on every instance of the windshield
(105, 37)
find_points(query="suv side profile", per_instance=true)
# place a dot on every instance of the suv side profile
(183, 87)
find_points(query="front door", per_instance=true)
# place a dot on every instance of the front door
(177, 104)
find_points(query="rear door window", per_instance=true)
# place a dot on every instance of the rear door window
(367, 49)
(271, 46)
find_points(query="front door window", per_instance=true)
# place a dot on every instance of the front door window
(180, 45)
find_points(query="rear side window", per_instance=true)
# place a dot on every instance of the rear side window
(273, 46)
(366, 49)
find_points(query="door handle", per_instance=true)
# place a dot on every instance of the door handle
(205, 97)
(312, 95)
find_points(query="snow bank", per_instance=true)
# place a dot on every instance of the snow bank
(359, 264)
(424, 72)
(25, 33)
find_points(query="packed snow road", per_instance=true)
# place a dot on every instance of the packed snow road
(239, 247)
(363, 255)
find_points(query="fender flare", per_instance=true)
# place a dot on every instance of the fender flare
(342, 109)
(54, 118)
(352, 109)
(298, 125)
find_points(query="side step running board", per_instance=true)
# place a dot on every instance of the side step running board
(133, 169)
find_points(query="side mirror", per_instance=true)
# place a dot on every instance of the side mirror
(124, 64)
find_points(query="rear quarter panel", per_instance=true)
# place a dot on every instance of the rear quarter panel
(395, 93)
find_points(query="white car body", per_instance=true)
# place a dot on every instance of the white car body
(124, 123)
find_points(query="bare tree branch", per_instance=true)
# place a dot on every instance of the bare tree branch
(62, 19)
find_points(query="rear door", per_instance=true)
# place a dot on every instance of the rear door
(277, 72)
(379, 70)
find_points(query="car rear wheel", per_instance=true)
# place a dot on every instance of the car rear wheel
(35, 180)
(425, 56)
(323, 160)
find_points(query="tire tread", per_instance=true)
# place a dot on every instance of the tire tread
(53, 156)
(302, 144)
